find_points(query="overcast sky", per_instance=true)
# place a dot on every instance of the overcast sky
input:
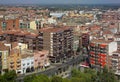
(58, 1)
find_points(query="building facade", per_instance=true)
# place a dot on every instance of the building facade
(14, 61)
(41, 59)
(100, 52)
(27, 61)
(8, 24)
(59, 42)
(4, 52)
(115, 62)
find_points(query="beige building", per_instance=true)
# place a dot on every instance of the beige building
(4, 52)
(14, 61)
(33, 25)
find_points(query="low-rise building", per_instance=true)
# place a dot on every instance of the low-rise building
(41, 59)
(27, 61)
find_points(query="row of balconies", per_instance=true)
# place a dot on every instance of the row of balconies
(96, 48)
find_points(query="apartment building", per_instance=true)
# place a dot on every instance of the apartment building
(35, 24)
(115, 65)
(32, 41)
(2, 38)
(9, 35)
(4, 52)
(85, 39)
(101, 52)
(8, 24)
(41, 59)
(20, 36)
(30, 24)
(24, 23)
(27, 61)
(58, 40)
(14, 61)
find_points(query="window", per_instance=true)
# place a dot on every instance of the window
(42, 55)
(23, 64)
(21, 25)
(31, 62)
(4, 25)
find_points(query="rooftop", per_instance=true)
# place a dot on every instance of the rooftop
(22, 33)
(26, 53)
(14, 51)
(100, 41)
(54, 29)
(32, 35)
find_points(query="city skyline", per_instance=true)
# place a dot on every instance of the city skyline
(60, 2)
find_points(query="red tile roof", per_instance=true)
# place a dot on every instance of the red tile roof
(54, 29)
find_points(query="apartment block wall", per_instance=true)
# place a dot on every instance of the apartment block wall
(100, 53)
(58, 41)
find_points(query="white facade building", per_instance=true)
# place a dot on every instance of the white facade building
(27, 64)
(112, 46)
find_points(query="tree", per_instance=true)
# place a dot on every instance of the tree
(35, 78)
(29, 78)
(2, 79)
(66, 80)
(43, 78)
(56, 79)
(10, 76)
(89, 75)
(75, 73)
(106, 76)
(75, 79)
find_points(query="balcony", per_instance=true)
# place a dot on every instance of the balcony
(18, 68)
(12, 67)
(116, 56)
(12, 62)
(114, 60)
(18, 65)
(18, 61)
(102, 46)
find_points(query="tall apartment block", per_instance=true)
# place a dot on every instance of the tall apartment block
(58, 40)
(85, 39)
(101, 52)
